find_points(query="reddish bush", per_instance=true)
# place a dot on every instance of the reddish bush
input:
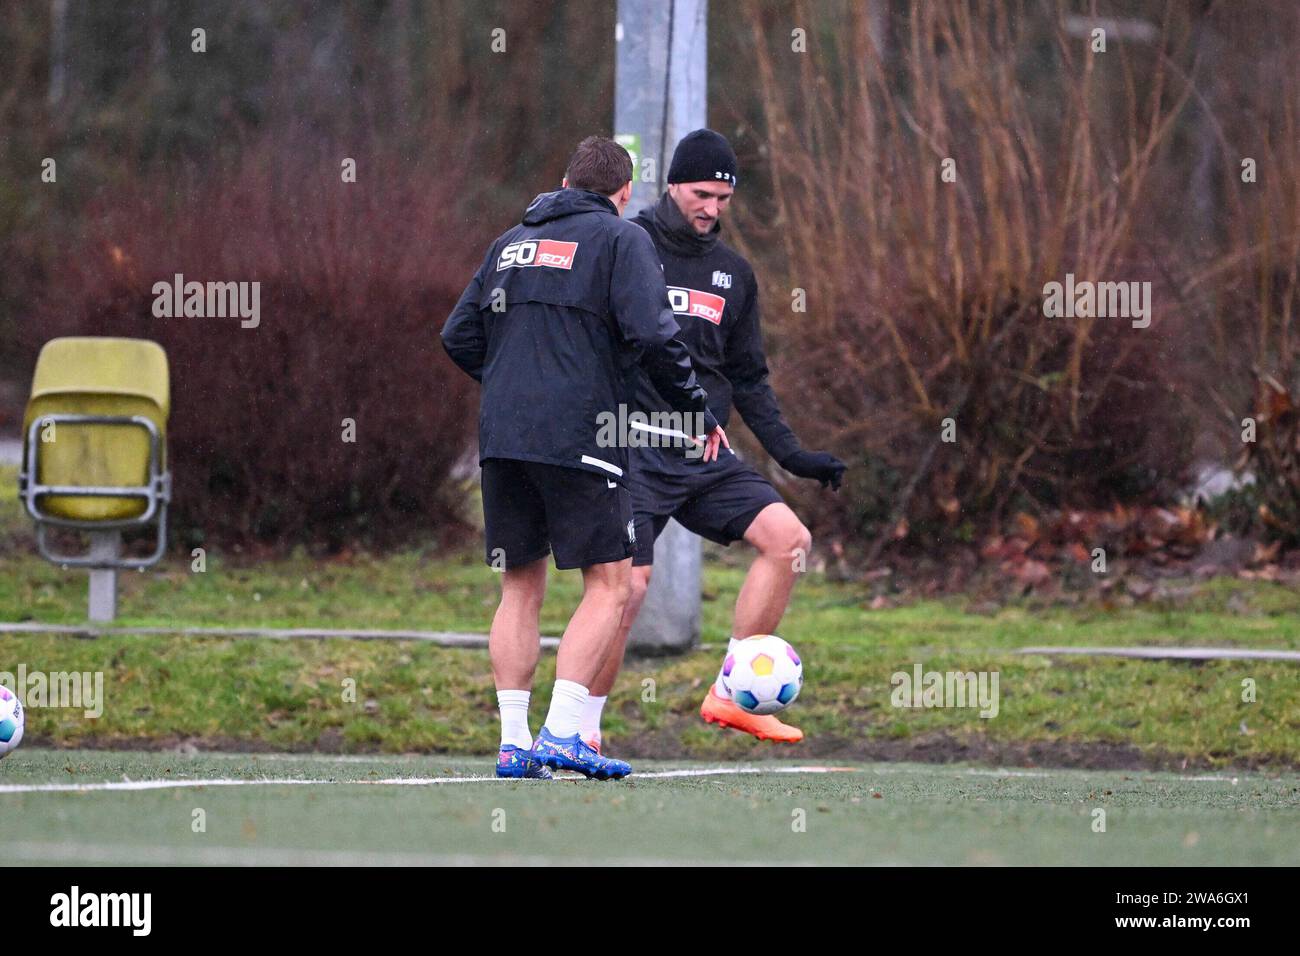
(923, 198)
(355, 282)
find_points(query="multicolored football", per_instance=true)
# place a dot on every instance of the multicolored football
(764, 674)
(11, 721)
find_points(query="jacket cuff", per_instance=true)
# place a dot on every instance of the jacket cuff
(787, 450)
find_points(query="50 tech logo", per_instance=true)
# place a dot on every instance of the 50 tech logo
(537, 252)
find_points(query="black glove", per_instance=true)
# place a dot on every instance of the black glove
(822, 466)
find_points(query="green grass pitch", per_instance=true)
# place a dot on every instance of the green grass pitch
(345, 810)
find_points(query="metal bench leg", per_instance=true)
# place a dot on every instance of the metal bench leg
(105, 546)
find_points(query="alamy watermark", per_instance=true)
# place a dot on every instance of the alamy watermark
(131, 911)
(83, 690)
(632, 428)
(922, 688)
(211, 300)
(1098, 300)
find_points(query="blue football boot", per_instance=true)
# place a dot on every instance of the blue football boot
(520, 764)
(571, 753)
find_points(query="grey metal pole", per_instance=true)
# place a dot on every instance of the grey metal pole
(660, 95)
(104, 546)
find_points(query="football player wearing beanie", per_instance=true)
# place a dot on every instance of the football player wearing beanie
(715, 300)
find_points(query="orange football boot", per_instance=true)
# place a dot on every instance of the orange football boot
(725, 713)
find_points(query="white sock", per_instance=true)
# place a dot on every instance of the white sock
(589, 725)
(513, 705)
(717, 684)
(567, 701)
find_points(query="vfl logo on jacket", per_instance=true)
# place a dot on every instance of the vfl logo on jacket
(693, 302)
(537, 252)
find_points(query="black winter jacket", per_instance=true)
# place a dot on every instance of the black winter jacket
(715, 298)
(564, 310)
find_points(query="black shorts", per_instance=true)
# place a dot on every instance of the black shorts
(532, 509)
(718, 500)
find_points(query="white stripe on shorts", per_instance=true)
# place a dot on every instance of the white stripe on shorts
(612, 469)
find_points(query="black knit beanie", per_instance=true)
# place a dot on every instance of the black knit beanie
(703, 155)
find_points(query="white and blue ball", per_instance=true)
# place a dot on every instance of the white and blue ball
(764, 674)
(11, 721)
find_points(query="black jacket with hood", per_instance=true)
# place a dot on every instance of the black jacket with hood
(564, 310)
(715, 298)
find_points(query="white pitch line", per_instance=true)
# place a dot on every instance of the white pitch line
(135, 785)
(724, 771)
(254, 757)
(148, 785)
(972, 771)
(181, 784)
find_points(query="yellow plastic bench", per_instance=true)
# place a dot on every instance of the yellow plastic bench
(94, 448)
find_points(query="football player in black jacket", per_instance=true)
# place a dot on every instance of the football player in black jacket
(715, 298)
(565, 310)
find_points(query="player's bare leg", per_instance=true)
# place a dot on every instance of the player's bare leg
(604, 682)
(583, 650)
(594, 625)
(514, 643)
(782, 543)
